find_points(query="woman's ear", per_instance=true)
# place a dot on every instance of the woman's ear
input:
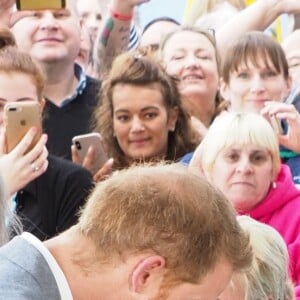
(224, 90)
(289, 84)
(173, 117)
(42, 104)
(146, 273)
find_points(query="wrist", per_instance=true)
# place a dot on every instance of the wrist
(120, 16)
(122, 7)
(274, 7)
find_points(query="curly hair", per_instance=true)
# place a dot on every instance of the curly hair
(135, 69)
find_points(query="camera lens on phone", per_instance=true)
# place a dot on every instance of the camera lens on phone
(78, 146)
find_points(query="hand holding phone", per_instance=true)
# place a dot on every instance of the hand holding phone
(19, 117)
(40, 4)
(82, 144)
(276, 124)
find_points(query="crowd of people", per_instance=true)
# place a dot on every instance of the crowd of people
(199, 197)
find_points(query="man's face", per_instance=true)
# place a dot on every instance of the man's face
(49, 36)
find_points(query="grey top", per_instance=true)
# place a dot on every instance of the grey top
(25, 274)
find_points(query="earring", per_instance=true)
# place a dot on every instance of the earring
(274, 185)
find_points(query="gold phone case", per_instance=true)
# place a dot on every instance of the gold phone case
(19, 117)
(40, 4)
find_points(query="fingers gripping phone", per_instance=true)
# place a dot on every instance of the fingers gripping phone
(40, 4)
(82, 144)
(276, 124)
(19, 117)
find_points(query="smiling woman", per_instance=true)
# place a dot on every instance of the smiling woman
(190, 55)
(255, 78)
(141, 118)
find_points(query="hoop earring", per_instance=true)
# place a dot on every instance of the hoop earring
(274, 185)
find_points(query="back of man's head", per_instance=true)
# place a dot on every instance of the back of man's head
(168, 211)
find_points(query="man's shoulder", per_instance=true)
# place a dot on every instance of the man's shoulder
(21, 262)
(93, 84)
(91, 92)
(21, 254)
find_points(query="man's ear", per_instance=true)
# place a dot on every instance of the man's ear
(224, 91)
(146, 271)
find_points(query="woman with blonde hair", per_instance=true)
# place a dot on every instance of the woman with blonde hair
(267, 278)
(240, 156)
(255, 78)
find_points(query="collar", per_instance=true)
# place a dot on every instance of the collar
(81, 76)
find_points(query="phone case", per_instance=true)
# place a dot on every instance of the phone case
(82, 144)
(19, 117)
(40, 4)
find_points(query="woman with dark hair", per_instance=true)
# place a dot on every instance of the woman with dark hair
(255, 78)
(141, 117)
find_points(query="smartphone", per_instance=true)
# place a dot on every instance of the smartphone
(82, 144)
(276, 124)
(19, 117)
(40, 4)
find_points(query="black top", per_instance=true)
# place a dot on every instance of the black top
(49, 204)
(63, 123)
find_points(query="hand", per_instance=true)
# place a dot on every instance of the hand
(126, 6)
(6, 8)
(105, 171)
(287, 6)
(6, 4)
(18, 168)
(291, 139)
(88, 161)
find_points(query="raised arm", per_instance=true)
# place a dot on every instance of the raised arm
(6, 8)
(258, 16)
(113, 37)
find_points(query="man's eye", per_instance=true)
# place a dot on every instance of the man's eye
(37, 14)
(61, 13)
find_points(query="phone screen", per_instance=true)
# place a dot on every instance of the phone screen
(40, 4)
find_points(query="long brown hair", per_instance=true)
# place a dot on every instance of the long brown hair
(136, 69)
